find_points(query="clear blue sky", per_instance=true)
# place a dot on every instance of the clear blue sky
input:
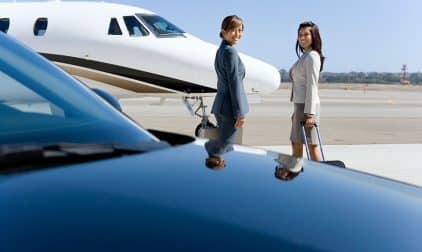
(358, 35)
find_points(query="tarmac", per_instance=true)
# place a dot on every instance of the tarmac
(374, 128)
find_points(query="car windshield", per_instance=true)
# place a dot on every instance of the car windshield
(159, 26)
(39, 103)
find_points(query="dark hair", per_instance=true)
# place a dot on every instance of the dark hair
(231, 22)
(316, 41)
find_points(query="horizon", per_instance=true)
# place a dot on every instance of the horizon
(366, 72)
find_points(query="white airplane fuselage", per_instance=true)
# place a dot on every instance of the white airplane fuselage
(77, 38)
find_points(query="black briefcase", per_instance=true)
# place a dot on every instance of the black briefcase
(338, 163)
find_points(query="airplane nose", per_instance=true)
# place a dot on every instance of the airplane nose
(274, 79)
(261, 77)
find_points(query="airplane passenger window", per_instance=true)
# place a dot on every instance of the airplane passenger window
(134, 27)
(114, 28)
(4, 24)
(40, 26)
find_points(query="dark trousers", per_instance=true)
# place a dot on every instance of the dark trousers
(227, 135)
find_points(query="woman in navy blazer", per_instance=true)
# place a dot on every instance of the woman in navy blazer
(230, 104)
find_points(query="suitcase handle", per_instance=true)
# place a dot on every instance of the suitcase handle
(306, 140)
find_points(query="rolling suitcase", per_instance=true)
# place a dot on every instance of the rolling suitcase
(338, 163)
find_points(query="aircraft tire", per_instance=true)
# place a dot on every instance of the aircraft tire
(199, 127)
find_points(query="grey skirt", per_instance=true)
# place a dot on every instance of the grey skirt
(296, 131)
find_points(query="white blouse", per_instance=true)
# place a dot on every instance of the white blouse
(305, 75)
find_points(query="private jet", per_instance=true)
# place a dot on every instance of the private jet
(128, 47)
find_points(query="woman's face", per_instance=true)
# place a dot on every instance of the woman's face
(233, 36)
(305, 37)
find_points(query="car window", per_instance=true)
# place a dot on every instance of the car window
(21, 98)
(41, 103)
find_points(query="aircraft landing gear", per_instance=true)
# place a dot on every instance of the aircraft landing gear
(202, 126)
(201, 112)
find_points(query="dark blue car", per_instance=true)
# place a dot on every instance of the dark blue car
(76, 174)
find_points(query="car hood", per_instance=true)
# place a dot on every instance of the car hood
(169, 199)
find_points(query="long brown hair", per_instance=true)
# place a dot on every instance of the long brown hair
(231, 22)
(316, 41)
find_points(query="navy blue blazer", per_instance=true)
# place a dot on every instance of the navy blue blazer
(230, 100)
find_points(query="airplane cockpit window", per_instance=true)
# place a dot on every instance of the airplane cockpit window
(114, 28)
(160, 27)
(4, 24)
(134, 27)
(40, 26)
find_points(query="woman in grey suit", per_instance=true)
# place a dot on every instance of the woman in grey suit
(305, 74)
(230, 104)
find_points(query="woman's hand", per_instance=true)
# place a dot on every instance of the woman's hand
(239, 122)
(309, 121)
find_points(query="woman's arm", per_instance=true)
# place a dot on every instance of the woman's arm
(312, 65)
(235, 82)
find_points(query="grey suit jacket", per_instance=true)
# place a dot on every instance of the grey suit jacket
(305, 75)
(230, 100)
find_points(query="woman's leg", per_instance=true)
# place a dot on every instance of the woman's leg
(315, 152)
(227, 135)
(297, 150)
(296, 137)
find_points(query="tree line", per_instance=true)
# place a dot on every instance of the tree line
(361, 77)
